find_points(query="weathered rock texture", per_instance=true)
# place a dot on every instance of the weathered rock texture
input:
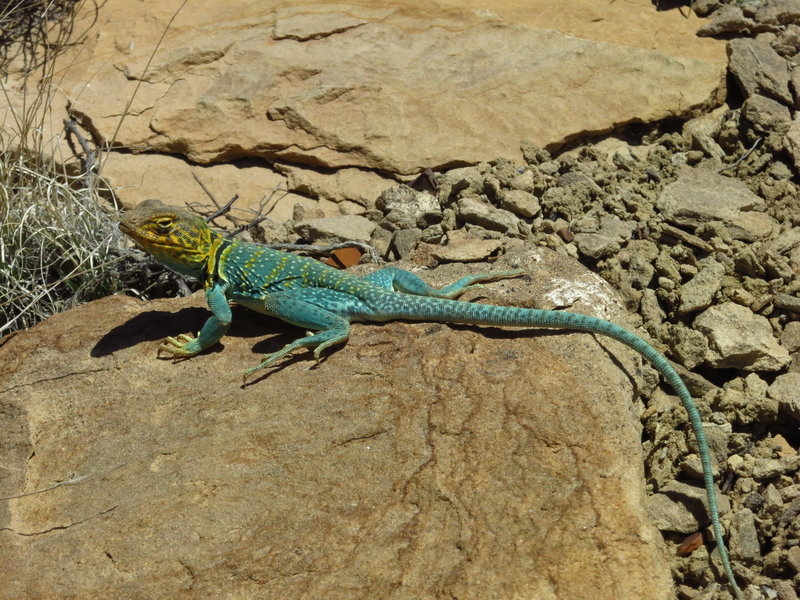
(347, 85)
(394, 87)
(420, 461)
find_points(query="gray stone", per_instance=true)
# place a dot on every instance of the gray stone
(779, 12)
(744, 537)
(767, 115)
(596, 245)
(330, 230)
(701, 196)
(740, 339)
(406, 208)
(794, 84)
(690, 346)
(466, 250)
(681, 507)
(758, 69)
(744, 400)
(726, 20)
(432, 234)
(698, 292)
(405, 241)
(790, 338)
(769, 468)
(471, 209)
(786, 390)
(520, 203)
(792, 142)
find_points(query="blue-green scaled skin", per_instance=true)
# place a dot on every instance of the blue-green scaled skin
(311, 295)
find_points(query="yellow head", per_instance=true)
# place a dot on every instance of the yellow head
(176, 238)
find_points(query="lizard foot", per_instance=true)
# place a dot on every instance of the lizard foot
(179, 346)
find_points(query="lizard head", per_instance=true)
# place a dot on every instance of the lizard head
(176, 238)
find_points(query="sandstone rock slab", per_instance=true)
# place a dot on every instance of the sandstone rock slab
(341, 85)
(420, 461)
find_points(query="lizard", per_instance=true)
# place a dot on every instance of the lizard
(324, 300)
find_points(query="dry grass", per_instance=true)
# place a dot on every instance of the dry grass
(59, 245)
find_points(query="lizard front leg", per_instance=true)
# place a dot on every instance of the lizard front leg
(215, 327)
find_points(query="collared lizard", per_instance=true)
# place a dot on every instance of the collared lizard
(311, 295)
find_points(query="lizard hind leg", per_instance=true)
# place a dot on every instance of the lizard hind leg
(392, 278)
(330, 328)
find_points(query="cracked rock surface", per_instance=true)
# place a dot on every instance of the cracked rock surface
(419, 461)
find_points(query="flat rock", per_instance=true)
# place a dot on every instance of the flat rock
(331, 230)
(475, 210)
(379, 86)
(758, 69)
(174, 180)
(698, 292)
(701, 196)
(343, 185)
(466, 250)
(681, 507)
(740, 339)
(419, 461)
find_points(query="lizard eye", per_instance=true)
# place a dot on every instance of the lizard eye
(164, 225)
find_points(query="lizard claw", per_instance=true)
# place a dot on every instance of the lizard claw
(178, 346)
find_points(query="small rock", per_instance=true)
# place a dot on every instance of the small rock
(406, 208)
(432, 234)
(758, 69)
(466, 250)
(700, 196)
(790, 338)
(766, 114)
(740, 339)
(793, 558)
(794, 81)
(381, 240)
(779, 12)
(792, 142)
(330, 230)
(606, 240)
(520, 203)
(728, 20)
(681, 507)
(745, 401)
(405, 241)
(690, 346)
(744, 543)
(773, 503)
(698, 292)
(595, 245)
(473, 210)
(785, 589)
(787, 302)
(462, 181)
(786, 390)
(770, 468)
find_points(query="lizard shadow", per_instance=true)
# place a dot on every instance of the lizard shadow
(155, 325)
(148, 327)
